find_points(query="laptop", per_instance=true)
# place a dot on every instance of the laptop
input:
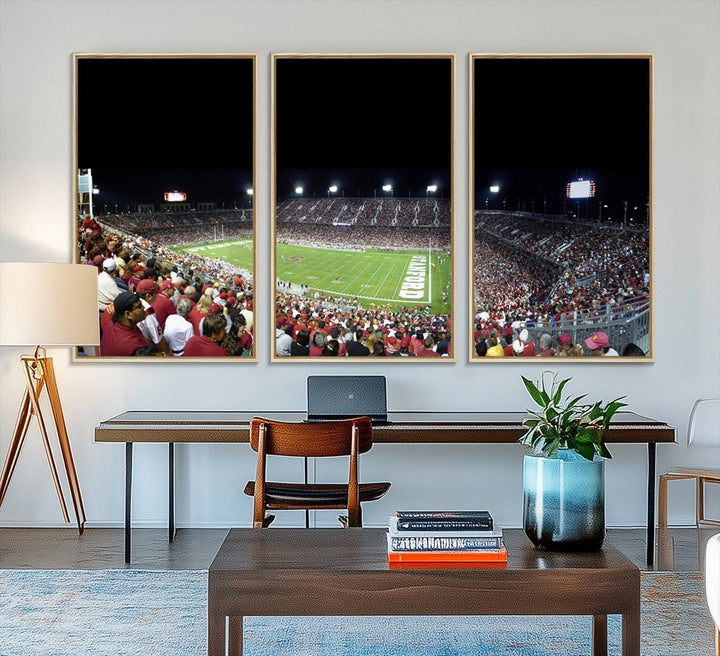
(330, 398)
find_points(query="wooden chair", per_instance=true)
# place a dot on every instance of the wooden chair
(703, 429)
(349, 437)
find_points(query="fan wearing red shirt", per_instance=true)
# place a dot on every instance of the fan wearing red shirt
(121, 336)
(162, 304)
(207, 345)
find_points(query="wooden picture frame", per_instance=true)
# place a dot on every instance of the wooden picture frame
(561, 207)
(362, 196)
(164, 173)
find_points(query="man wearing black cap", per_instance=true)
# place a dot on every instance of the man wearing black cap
(122, 336)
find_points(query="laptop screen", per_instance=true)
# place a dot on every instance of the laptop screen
(340, 397)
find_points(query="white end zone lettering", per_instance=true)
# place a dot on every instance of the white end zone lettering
(413, 286)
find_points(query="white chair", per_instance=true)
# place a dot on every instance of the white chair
(703, 430)
(712, 584)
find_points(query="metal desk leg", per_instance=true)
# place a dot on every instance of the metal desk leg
(651, 505)
(128, 497)
(307, 512)
(171, 491)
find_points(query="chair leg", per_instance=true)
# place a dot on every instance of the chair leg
(662, 501)
(354, 517)
(699, 501)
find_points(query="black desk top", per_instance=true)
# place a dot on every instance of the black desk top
(405, 426)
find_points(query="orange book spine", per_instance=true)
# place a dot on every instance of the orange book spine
(487, 556)
(447, 565)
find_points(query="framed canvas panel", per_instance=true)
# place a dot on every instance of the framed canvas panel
(164, 161)
(561, 207)
(362, 207)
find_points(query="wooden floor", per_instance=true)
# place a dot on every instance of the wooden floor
(680, 549)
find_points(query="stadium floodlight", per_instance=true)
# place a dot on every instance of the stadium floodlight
(494, 188)
(431, 189)
(332, 189)
(299, 190)
(95, 189)
(387, 187)
(249, 192)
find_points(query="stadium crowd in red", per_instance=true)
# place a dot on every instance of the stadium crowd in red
(381, 212)
(556, 265)
(339, 238)
(336, 326)
(535, 271)
(153, 301)
(183, 228)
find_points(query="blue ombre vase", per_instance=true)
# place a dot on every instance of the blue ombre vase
(564, 501)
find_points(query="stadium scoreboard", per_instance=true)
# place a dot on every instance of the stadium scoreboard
(175, 196)
(580, 189)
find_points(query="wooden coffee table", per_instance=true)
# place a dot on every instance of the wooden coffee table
(275, 572)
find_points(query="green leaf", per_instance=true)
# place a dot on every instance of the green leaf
(610, 409)
(533, 391)
(586, 436)
(587, 451)
(595, 412)
(577, 399)
(558, 393)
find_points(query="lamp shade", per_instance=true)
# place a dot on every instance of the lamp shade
(48, 304)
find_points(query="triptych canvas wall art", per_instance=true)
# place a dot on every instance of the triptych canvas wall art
(362, 206)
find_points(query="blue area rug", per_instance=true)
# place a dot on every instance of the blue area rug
(132, 612)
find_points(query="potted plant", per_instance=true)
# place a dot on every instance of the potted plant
(564, 467)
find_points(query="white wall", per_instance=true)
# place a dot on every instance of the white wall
(36, 41)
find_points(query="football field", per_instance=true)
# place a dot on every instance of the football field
(238, 252)
(406, 278)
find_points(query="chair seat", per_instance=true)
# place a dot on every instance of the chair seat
(701, 477)
(328, 495)
(690, 473)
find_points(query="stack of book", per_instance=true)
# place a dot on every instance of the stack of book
(439, 537)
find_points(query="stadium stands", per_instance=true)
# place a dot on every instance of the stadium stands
(382, 212)
(139, 244)
(562, 276)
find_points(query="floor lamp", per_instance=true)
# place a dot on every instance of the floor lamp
(43, 304)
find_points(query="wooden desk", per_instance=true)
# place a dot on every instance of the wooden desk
(345, 572)
(207, 426)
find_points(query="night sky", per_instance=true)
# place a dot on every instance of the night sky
(146, 126)
(363, 122)
(152, 125)
(540, 123)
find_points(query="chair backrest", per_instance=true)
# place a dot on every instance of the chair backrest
(311, 440)
(704, 423)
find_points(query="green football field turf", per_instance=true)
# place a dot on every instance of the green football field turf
(401, 279)
(236, 251)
